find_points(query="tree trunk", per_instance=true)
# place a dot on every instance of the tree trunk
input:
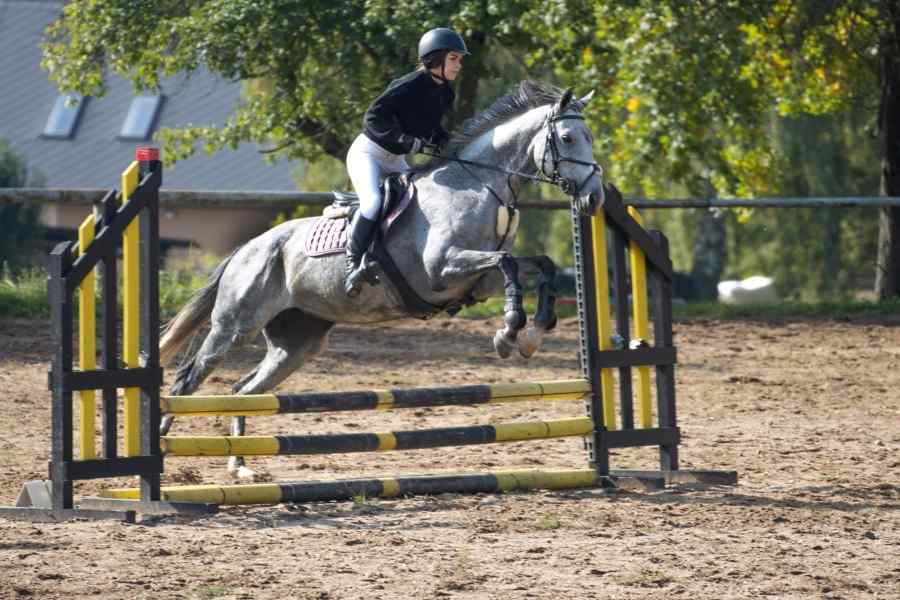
(709, 256)
(887, 269)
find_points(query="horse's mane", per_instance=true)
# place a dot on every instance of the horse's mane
(526, 96)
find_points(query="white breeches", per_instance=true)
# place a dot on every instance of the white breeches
(367, 163)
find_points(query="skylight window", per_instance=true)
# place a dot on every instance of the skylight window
(63, 119)
(141, 118)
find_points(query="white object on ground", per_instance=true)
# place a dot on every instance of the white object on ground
(758, 288)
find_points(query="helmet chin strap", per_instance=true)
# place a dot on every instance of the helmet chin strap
(441, 75)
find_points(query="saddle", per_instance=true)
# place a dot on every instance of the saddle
(392, 191)
(329, 234)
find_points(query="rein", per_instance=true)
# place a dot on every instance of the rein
(490, 167)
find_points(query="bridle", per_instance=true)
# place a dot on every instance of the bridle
(566, 185)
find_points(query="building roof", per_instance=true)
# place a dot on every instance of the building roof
(95, 156)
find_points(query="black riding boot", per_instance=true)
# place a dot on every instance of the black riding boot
(358, 240)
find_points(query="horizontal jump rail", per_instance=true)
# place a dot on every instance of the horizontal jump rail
(373, 442)
(386, 487)
(314, 402)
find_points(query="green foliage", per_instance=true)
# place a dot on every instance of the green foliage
(493, 307)
(23, 294)
(694, 98)
(20, 223)
(688, 88)
(709, 99)
(823, 156)
(180, 279)
(830, 310)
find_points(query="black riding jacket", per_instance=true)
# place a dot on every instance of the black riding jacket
(411, 107)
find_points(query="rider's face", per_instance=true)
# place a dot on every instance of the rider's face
(452, 65)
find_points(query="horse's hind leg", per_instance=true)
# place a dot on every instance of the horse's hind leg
(292, 337)
(190, 375)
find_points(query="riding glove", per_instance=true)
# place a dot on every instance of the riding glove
(411, 144)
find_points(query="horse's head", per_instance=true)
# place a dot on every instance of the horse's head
(565, 153)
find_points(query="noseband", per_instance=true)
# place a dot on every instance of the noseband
(566, 185)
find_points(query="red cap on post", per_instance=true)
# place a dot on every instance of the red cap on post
(146, 153)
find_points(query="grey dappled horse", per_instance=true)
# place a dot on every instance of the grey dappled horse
(451, 245)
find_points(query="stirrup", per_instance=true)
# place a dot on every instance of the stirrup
(364, 273)
(368, 270)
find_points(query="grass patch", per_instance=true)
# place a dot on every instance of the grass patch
(24, 294)
(835, 310)
(179, 281)
(493, 307)
(213, 591)
(548, 523)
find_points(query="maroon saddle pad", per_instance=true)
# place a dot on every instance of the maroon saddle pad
(327, 236)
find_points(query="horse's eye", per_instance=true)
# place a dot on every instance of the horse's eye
(566, 138)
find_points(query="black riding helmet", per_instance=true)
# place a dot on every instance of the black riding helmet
(441, 38)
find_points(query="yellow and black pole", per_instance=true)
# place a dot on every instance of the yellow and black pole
(87, 344)
(604, 325)
(340, 443)
(131, 312)
(641, 321)
(386, 399)
(382, 487)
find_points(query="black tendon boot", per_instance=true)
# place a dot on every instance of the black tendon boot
(358, 240)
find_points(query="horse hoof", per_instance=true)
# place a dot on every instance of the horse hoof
(501, 345)
(165, 424)
(241, 472)
(530, 342)
(245, 473)
(237, 468)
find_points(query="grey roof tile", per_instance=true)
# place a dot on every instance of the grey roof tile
(95, 157)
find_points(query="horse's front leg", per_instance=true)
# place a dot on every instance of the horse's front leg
(513, 312)
(459, 264)
(545, 317)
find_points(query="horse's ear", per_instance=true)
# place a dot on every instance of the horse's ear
(582, 102)
(564, 102)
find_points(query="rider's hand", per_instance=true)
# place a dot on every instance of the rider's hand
(412, 144)
(439, 142)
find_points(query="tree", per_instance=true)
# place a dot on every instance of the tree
(690, 88)
(311, 67)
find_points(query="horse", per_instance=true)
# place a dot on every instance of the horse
(451, 246)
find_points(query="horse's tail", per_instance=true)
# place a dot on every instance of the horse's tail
(192, 315)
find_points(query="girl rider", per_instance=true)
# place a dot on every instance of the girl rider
(406, 116)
